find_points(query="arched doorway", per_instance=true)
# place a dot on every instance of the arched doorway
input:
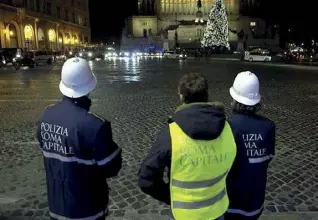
(60, 41)
(41, 39)
(67, 40)
(52, 39)
(76, 41)
(13, 35)
(85, 39)
(73, 39)
(28, 36)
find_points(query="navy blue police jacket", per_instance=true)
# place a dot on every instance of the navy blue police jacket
(246, 182)
(79, 154)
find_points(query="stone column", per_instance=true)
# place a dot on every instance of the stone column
(21, 39)
(57, 37)
(7, 36)
(2, 35)
(36, 34)
(235, 7)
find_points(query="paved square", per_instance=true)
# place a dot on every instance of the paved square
(137, 96)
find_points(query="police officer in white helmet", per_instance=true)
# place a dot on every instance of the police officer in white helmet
(78, 149)
(255, 140)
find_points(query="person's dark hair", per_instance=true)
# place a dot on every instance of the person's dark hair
(245, 109)
(194, 88)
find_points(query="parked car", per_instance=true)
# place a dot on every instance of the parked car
(59, 56)
(42, 57)
(174, 55)
(257, 56)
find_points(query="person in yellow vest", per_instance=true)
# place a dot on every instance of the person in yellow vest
(198, 148)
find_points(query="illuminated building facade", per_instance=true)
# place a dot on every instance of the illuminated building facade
(43, 24)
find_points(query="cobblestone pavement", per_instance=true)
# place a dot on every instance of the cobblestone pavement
(137, 97)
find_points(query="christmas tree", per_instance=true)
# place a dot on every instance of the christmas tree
(217, 29)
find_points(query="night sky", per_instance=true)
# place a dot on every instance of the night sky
(107, 18)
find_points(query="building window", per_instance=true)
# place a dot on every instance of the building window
(79, 3)
(66, 15)
(58, 11)
(85, 21)
(37, 5)
(32, 5)
(44, 11)
(199, 33)
(8, 2)
(74, 18)
(48, 8)
(145, 23)
(72, 2)
(25, 3)
(80, 20)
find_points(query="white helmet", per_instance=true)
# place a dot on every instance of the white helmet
(77, 78)
(245, 89)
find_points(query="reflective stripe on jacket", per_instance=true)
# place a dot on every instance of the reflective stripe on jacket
(198, 174)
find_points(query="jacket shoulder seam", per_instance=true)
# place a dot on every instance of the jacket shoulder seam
(97, 116)
(49, 106)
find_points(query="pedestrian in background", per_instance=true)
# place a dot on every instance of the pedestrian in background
(198, 148)
(78, 149)
(255, 140)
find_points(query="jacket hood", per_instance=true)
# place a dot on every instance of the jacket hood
(201, 121)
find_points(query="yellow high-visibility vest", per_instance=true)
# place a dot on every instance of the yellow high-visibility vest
(198, 174)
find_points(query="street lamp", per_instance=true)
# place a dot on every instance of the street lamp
(11, 33)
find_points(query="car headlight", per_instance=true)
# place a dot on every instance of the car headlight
(126, 54)
(90, 54)
(71, 52)
(14, 59)
(18, 55)
(80, 54)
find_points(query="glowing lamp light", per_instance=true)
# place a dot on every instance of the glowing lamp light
(60, 40)
(11, 33)
(253, 24)
(28, 32)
